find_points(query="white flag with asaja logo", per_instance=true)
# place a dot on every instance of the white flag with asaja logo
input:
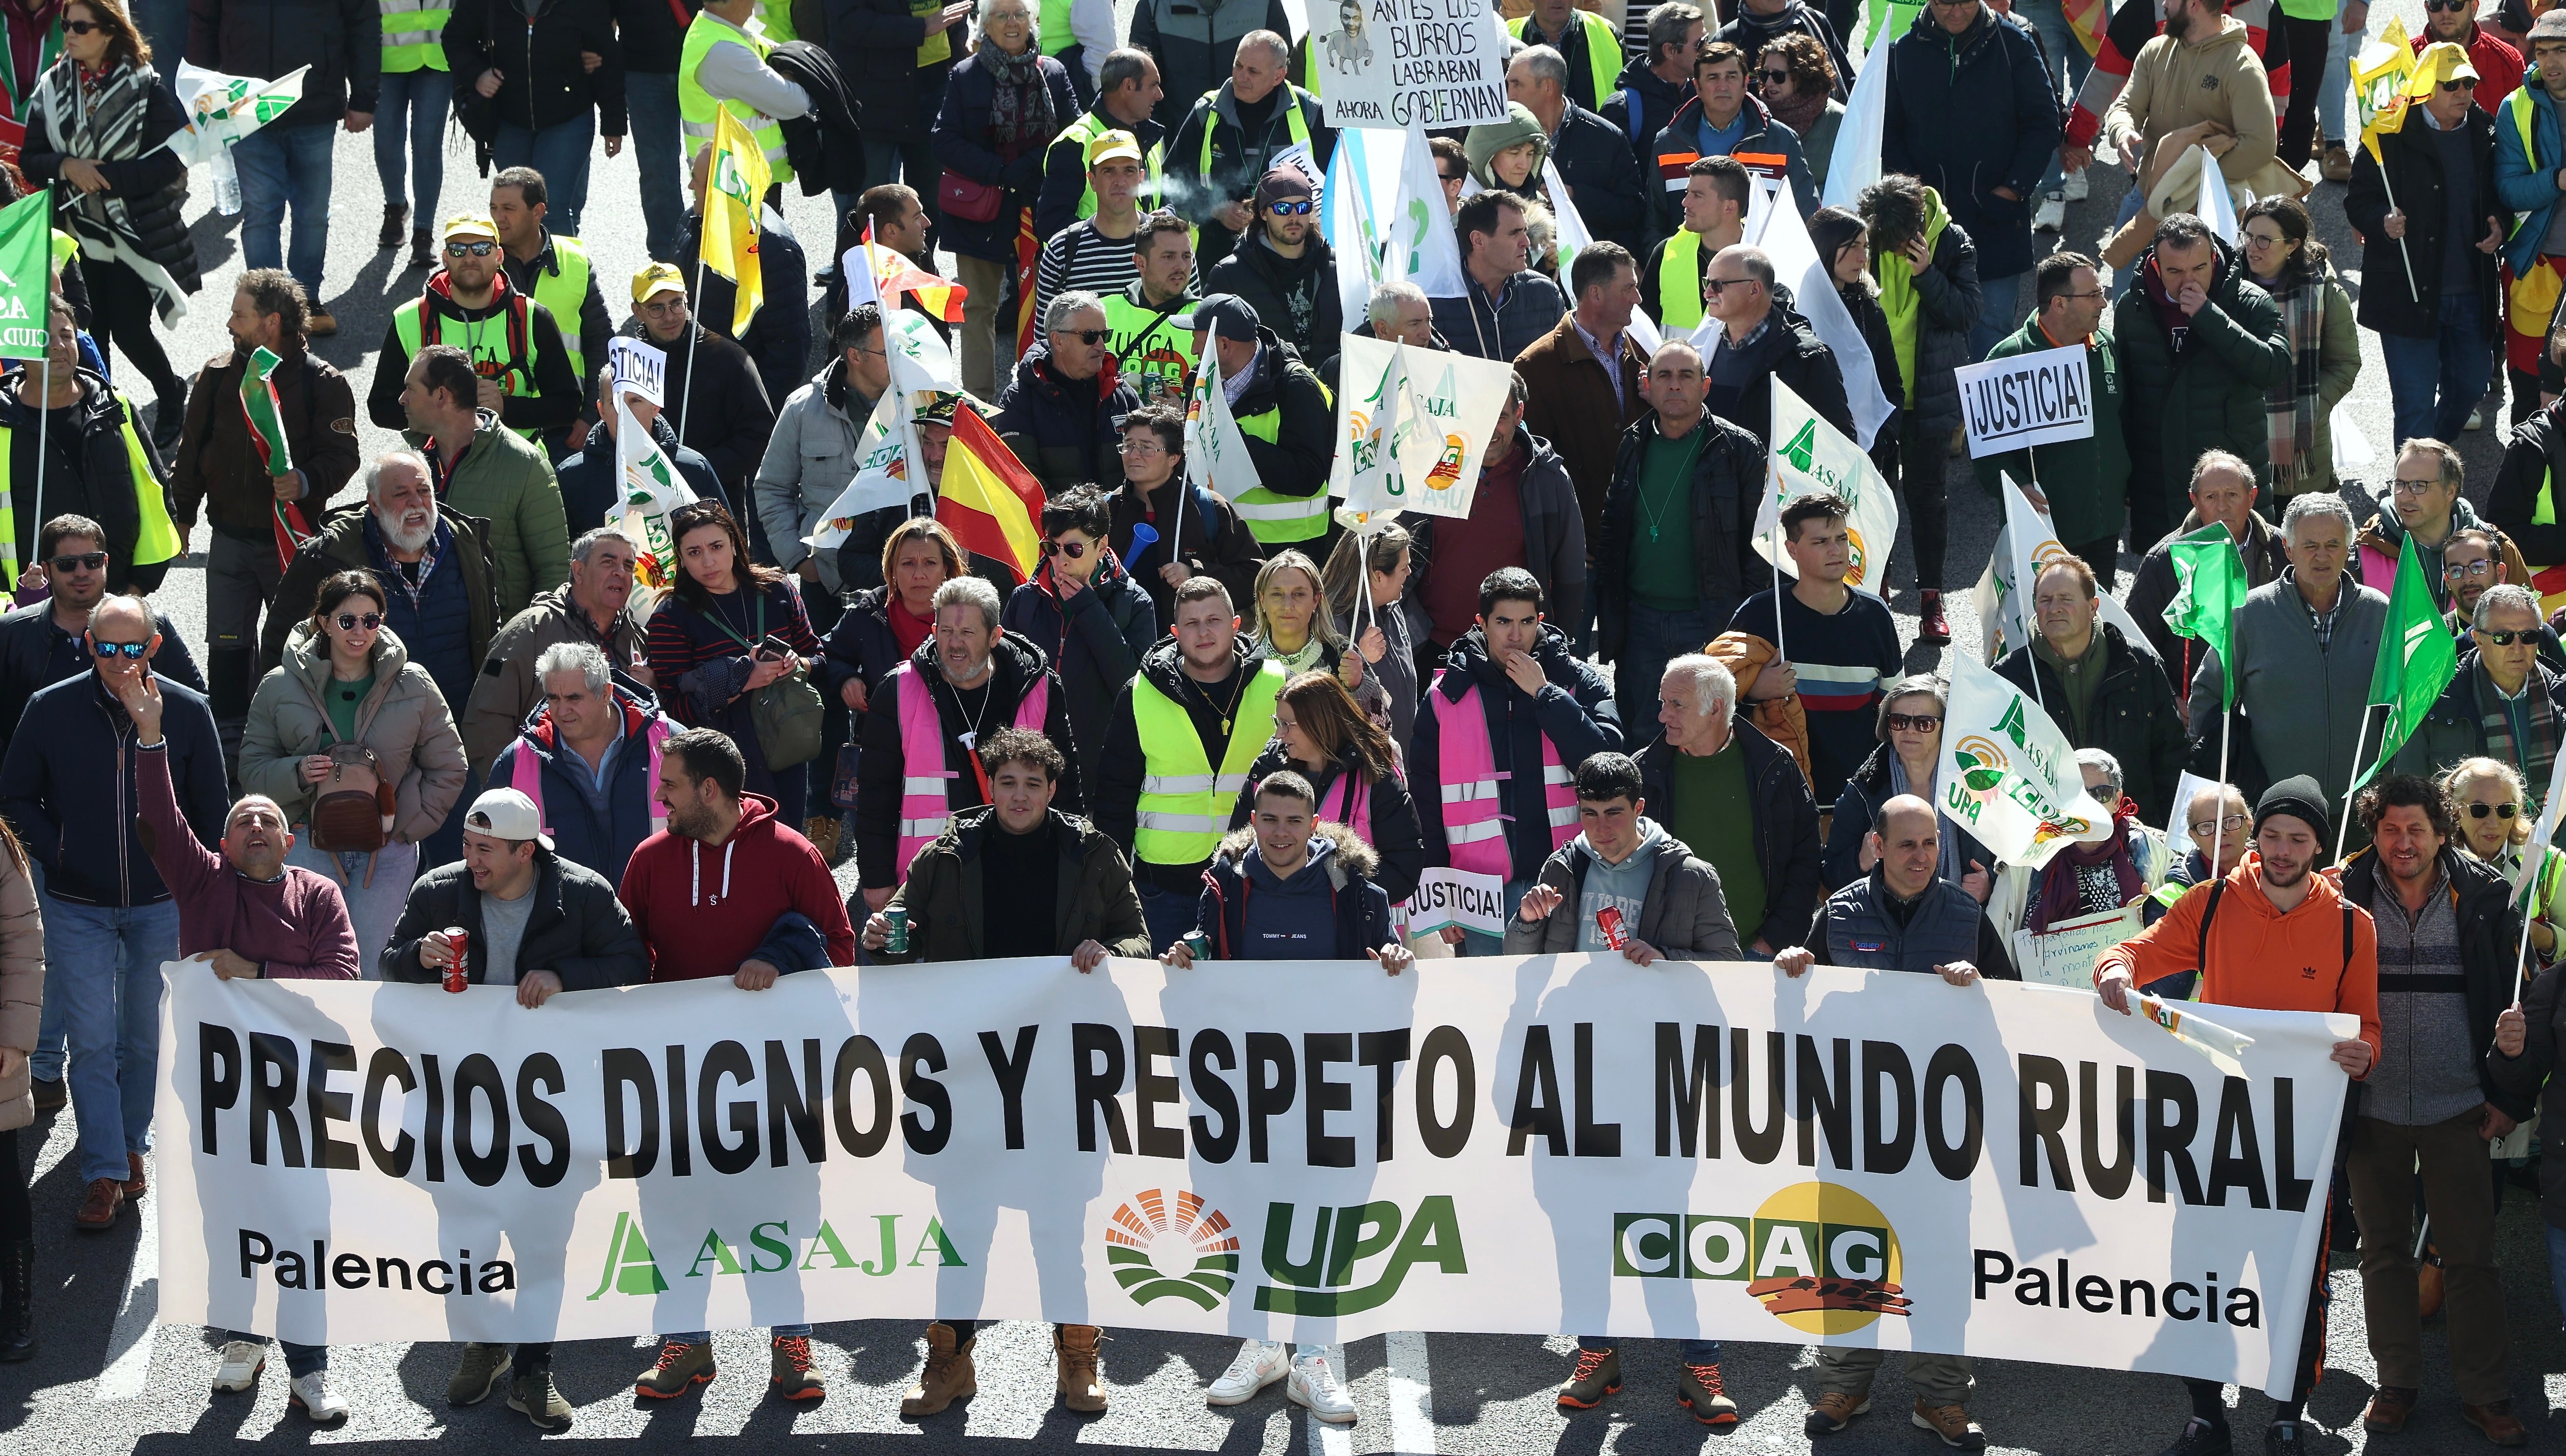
(1372, 426)
(1453, 401)
(652, 490)
(2008, 775)
(1810, 456)
(891, 469)
(1215, 452)
(2002, 597)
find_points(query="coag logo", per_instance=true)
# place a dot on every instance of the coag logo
(1323, 1284)
(1819, 1257)
(1150, 1245)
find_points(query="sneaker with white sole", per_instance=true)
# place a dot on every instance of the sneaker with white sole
(1315, 1385)
(2476, 418)
(1260, 1363)
(314, 1397)
(2052, 216)
(2080, 185)
(242, 1360)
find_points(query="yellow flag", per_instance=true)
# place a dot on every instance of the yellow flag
(2381, 73)
(739, 181)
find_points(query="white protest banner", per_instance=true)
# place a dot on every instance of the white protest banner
(1215, 452)
(1459, 897)
(1784, 237)
(2064, 955)
(1454, 401)
(1400, 63)
(2037, 398)
(1569, 225)
(2027, 543)
(1856, 161)
(1810, 456)
(1361, 189)
(2008, 775)
(1372, 418)
(640, 370)
(1526, 1146)
(1423, 248)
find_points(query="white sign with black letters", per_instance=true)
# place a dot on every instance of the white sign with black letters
(2028, 400)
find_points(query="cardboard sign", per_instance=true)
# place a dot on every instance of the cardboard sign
(2065, 955)
(1394, 63)
(2028, 400)
(639, 368)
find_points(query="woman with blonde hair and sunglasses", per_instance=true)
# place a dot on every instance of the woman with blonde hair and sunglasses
(2494, 825)
(1322, 735)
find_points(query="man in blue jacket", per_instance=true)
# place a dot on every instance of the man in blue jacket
(589, 760)
(2529, 153)
(66, 785)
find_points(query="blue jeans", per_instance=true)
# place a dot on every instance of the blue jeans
(375, 886)
(409, 125)
(165, 23)
(2557, 1266)
(650, 116)
(2434, 383)
(1168, 916)
(110, 980)
(1696, 1352)
(1476, 942)
(1652, 640)
(300, 1359)
(560, 152)
(2331, 101)
(704, 1337)
(2066, 53)
(283, 167)
(2001, 314)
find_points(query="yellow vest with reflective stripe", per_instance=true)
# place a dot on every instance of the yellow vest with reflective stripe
(1157, 370)
(695, 104)
(1680, 282)
(1153, 163)
(1603, 50)
(1298, 125)
(486, 345)
(1184, 804)
(66, 248)
(158, 540)
(1278, 520)
(414, 32)
(563, 293)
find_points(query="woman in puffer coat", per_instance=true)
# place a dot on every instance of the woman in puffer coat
(1003, 106)
(22, 994)
(347, 678)
(1928, 271)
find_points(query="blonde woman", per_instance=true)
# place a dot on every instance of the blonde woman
(2494, 825)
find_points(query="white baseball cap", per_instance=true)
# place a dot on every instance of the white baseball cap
(505, 814)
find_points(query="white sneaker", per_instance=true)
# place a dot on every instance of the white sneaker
(2052, 216)
(242, 1360)
(326, 1407)
(1260, 1363)
(1315, 1385)
(2080, 185)
(2476, 418)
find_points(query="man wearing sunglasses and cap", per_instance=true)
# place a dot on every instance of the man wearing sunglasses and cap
(712, 392)
(526, 373)
(1285, 271)
(1282, 411)
(2503, 703)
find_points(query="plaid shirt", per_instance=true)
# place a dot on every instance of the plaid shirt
(2324, 620)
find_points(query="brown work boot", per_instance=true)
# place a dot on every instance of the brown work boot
(1698, 1390)
(319, 322)
(822, 830)
(1952, 1423)
(681, 1368)
(138, 1185)
(98, 1211)
(2389, 1407)
(1073, 1350)
(1598, 1375)
(789, 1369)
(1834, 1411)
(2337, 167)
(949, 1375)
(396, 222)
(2496, 1418)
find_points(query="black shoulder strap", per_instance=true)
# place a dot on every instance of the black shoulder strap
(2209, 911)
(2347, 936)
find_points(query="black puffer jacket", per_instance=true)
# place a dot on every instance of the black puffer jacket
(1611, 188)
(2211, 396)
(1992, 73)
(1068, 431)
(1792, 353)
(153, 184)
(577, 928)
(1295, 462)
(340, 40)
(1949, 302)
(542, 81)
(1389, 811)
(1728, 485)
(102, 486)
(876, 44)
(652, 33)
(2133, 717)
(1294, 297)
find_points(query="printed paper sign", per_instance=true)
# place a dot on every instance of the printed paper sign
(639, 368)
(2029, 400)
(2065, 954)
(1459, 897)
(1396, 63)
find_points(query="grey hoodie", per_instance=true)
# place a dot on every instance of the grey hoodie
(1624, 886)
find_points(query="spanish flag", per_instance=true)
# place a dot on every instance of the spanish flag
(988, 500)
(731, 204)
(894, 275)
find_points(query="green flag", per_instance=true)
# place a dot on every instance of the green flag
(2210, 580)
(2417, 659)
(26, 274)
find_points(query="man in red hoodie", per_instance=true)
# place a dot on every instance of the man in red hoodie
(727, 889)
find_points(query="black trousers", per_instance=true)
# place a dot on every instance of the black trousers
(2306, 40)
(121, 303)
(1922, 483)
(17, 1212)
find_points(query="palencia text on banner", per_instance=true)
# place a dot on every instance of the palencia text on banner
(1296, 1150)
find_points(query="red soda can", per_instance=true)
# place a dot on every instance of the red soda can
(1608, 920)
(457, 976)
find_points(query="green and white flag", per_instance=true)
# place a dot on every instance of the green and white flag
(26, 274)
(1215, 452)
(1371, 424)
(891, 471)
(221, 110)
(2008, 775)
(2418, 657)
(2210, 585)
(1809, 456)
(2027, 544)
(652, 490)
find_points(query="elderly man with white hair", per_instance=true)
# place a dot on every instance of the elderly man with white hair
(1058, 413)
(2305, 645)
(2503, 703)
(1398, 310)
(595, 608)
(71, 786)
(588, 760)
(1737, 799)
(976, 678)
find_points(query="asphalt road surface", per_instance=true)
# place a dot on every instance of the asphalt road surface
(108, 1380)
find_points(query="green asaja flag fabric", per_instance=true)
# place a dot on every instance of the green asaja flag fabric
(2417, 659)
(26, 274)
(2210, 586)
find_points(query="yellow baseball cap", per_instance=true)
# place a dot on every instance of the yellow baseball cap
(657, 278)
(1107, 146)
(468, 226)
(2441, 62)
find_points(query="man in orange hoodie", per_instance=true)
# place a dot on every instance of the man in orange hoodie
(2276, 934)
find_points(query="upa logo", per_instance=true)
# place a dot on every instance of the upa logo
(1157, 1249)
(1818, 1257)
(1323, 1285)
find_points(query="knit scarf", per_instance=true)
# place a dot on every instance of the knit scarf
(2535, 757)
(2082, 876)
(1799, 113)
(2169, 314)
(2290, 409)
(1897, 296)
(103, 121)
(1020, 119)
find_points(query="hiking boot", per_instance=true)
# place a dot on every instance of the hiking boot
(1952, 1423)
(1834, 1411)
(1698, 1390)
(1073, 1350)
(396, 222)
(2284, 1438)
(2337, 167)
(313, 1395)
(822, 830)
(1259, 1363)
(242, 1360)
(681, 1369)
(1932, 625)
(2496, 1419)
(1598, 1375)
(533, 1395)
(789, 1369)
(1315, 1385)
(2199, 1439)
(319, 322)
(98, 1211)
(51, 1095)
(137, 1182)
(422, 249)
(2389, 1407)
(478, 1373)
(949, 1375)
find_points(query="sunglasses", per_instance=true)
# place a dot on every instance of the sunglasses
(131, 650)
(1775, 77)
(2465, 83)
(1089, 336)
(1289, 210)
(477, 250)
(1710, 286)
(2499, 810)
(2506, 639)
(1920, 722)
(2448, 5)
(1074, 550)
(348, 621)
(81, 27)
(88, 561)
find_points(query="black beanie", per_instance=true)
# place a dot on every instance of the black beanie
(2300, 797)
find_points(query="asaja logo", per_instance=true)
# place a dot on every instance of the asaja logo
(1188, 1251)
(770, 1248)
(1981, 764)
(1818, 1257)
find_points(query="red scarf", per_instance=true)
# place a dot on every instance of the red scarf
(2061, 895)
(906, 627)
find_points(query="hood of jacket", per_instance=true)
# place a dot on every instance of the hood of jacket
(1337, 854)
(1486, 139)
(2385, 532)
(835, 390)
(306, 659)
(1654, 843)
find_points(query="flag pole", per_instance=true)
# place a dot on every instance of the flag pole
(2219, 825)
(44, 417)
(2343, 831)
(687, 392)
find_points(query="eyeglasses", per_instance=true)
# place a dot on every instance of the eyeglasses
(1074, 550)
(2403, 486)
(2465, 83)
(131, 650)
(1089, 336)
(2499, 810)
(1920, 722)
(88, 561)
(348, 621)
(81, 27)
(1710, 286)
(1139, 446)
(2459, 569)
(1289, 210)
(664, 308)
(2203, 829)
(2506, 639)
(479, 249)
(2264, 240)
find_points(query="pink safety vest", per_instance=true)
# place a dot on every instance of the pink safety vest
(925, 798)
(528, 776)
(1474, 825)
(1353, 805)
(2378, 570)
